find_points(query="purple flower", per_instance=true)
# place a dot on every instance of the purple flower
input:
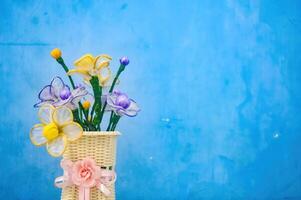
(65, 93)
(124, 61)
(58, 94)
(122, 105)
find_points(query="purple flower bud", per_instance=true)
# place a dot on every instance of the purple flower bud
(123, 101)
(124, 61)
(65, 94)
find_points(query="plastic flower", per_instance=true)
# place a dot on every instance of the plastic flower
(85, 173)
(121, 104)
(56, 129)
(56, 53)
(88, 66)
(59, 94)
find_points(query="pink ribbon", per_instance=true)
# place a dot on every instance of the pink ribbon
(85, 174)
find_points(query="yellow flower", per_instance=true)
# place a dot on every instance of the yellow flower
(56, 53)
(88, 66)
(56, 129)
(86, 104)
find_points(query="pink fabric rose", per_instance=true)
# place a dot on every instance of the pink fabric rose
(85, 173)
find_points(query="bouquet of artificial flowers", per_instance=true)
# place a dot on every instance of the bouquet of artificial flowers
(69, 112)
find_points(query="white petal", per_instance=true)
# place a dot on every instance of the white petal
(79, 92)
(45, 94)
(111, 100)
(76, 100)
(73, 131)
(62, 115)
(77, 95)
(72, 106)
(41, 103)
(133, 106)
(61, 102)
(57, 146)
(57, 85)
(45, 113)
(36, 135)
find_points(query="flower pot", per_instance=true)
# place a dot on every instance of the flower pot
(100, 146)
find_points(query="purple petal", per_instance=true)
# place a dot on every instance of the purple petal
(61, 102)
(79, 92)
(76, 100)
(72, 106)
(57, 85)
(77, 95)
(111, 102)
(131, 111)
(45, 94)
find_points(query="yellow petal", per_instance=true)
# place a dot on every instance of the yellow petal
(102, 64)
(72, 130)
(84, 73)
(104, 75)
(85, 62)
(62, 115)
(101, 61)
(45, 113)
(57, 146)
(104, 56)
(36, 135)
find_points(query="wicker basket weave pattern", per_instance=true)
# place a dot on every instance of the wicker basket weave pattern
(100, 146)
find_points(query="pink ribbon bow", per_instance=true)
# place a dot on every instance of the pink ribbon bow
(85, 174)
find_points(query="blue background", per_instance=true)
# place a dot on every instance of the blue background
(218, 83)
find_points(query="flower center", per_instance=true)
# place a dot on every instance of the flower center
(123, 101)
(50, 131)
(85, 173)
(65, 94)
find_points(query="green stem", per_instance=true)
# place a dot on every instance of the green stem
(90, 126)
(97, 90)
(92, 112)
(60, 60)
(121, 68)
(117, 118)
(111, 120)
(80, 115)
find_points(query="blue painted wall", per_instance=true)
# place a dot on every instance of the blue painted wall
(218, 83)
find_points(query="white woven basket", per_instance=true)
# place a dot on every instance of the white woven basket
(100, 146)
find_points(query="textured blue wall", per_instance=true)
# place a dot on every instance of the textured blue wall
(218, 83)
